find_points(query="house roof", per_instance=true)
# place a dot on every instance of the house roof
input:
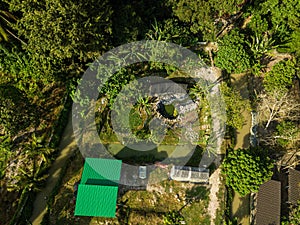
(101, 171)
(95, 200)
(269, 203)
(191, 174)
(98, 189)
(294, 186)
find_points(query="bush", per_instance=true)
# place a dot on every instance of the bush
(232, 54)
(280, 78)
(247, 169)
(16, 113)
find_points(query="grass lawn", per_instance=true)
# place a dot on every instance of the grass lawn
(150, 206)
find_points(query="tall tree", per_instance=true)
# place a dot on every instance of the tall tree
(278, 106)
(205, 17)
(63, 30)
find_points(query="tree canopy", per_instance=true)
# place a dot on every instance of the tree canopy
(247, 169)
(204, 18)
(60, 30)
(15, 112)
(232, 54)
(281, 76)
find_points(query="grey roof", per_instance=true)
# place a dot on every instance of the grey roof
(269, 203)
(191, 174)
(294, 186)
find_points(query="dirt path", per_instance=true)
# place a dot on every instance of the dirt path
(67, 145)
(214, 203)
(241, 205)
(214, 179)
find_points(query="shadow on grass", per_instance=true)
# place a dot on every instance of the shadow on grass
(197, 193)
(130, 156)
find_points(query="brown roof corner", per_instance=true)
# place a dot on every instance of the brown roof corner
(294, 186)
(269, 203)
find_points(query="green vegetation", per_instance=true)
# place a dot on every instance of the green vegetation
(281, 77)
(17, 114)
(247, 169)
(235, 104)
(294, 215)
(232, 54)
(45, 46)
(170, 110)
(173, 217)
(204, 17)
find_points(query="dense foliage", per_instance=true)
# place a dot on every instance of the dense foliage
(63, 29)
(294, 215)
(280, 19)
(232, 55)
(16, 114)
(46, 45)
(247, 169)
(235, 105)
(205, 17)
(173, 217)
(281, 77)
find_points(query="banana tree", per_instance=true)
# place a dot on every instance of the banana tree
(36, 158)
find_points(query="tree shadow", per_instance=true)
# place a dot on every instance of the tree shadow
(131, 156)
(195, 159)
(246, 141)
(243, 209)
(132, 19)
(197, 193)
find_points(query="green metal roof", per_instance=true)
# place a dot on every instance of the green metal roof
(98, 189)
(101, 171)
(94, 200)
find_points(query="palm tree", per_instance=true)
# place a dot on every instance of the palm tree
(36, 160)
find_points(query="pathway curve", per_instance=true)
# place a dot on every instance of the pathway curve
(66, 147)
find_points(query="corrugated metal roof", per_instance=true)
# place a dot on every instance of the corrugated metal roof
(101, 171)
(294, 186)
(95, 200)
(191, 174)
(97, 193)
(268, 203)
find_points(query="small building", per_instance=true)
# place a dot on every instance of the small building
(269, 203)
(190, 174)
(294, 186)
(98, 188)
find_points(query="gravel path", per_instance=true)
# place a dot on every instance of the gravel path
(215, 183)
